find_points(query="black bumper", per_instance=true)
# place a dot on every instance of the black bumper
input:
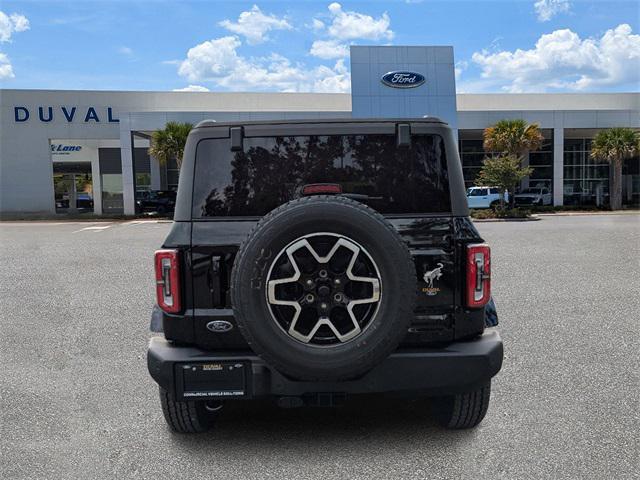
(187, 372)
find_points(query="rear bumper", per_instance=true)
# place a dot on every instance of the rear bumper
(187, 372)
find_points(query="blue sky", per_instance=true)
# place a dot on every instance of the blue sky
(500, 46)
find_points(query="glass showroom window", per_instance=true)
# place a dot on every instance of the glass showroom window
(586, 181)
(173, 172)
(112, 194)
(631, 182)
(542, 163)
(471, 155)
(142, 169)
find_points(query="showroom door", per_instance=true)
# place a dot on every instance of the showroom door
(73, 187)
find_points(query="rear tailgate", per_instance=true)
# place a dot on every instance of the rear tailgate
(431, 242)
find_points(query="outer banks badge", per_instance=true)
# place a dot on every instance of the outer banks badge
(431, 276)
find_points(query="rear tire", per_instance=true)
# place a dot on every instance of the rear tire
(494, 205)
(195, 416)
(463, 410)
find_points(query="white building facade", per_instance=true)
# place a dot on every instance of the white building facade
(69, 151)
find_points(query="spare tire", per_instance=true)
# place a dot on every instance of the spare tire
(323, 288)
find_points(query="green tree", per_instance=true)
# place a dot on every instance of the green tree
(504, 172)
(614, 146)
(169, 142)
(513, 138)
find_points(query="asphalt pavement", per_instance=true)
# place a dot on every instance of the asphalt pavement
(76, 400)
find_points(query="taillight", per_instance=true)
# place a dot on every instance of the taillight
(478, 275)
(168, 280)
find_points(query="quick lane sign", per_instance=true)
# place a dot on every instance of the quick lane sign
(47, 114)
(61, 149)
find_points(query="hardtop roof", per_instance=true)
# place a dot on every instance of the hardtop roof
(214, 123)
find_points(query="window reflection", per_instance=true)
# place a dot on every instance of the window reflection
(272, 170)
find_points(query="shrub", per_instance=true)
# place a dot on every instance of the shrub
(501, 213)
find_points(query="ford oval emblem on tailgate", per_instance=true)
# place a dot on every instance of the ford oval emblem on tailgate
(219, 326)
(403, 79)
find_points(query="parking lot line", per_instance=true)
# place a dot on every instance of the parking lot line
(93, 228)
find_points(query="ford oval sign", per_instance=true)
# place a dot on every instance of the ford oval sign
(219, 326)
(402, 79)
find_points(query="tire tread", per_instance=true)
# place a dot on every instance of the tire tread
(464, 410)
(184, 416)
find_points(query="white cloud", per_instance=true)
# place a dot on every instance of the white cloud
(347, 25)
(317, 25)
(332, 80)
(460, 67)
(10, 24)
(254, 25)
(192, 88)
(210, 59)
(547, 9)
(561, 60)
(218, 61)
(6, 70)
(125, 51)
(329, 49)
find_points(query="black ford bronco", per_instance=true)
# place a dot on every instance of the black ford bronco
(312, 260)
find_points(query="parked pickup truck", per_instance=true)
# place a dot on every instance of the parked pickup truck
(533, 196)
(314, 260)
(485, 197)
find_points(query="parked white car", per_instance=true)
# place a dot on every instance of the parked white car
(533, 196)
(485, 197)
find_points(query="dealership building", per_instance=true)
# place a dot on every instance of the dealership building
(68, 151)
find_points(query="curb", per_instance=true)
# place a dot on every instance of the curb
(570, 214)
(489, 220)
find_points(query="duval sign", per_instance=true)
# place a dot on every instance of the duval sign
(65, 113)
(403, 79)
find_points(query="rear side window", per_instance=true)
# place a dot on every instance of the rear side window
(273, 170)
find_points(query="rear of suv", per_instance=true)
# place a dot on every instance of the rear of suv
(314, 260)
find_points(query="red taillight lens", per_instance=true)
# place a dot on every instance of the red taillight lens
(320, 188)
(478, 275)
(168, 280)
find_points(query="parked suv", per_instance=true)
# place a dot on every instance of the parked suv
(313, 260)
(485, 197)
(159, 201)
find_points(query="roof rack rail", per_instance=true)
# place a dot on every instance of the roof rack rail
(206, 123)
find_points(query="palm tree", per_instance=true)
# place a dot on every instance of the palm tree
(169, 142)
(614, 146)
(512, 138)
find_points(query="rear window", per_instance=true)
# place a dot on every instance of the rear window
(477, 192)
(273, 170)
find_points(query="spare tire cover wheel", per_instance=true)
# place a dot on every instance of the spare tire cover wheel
(323, 288)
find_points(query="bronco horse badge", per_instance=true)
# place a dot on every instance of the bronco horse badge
(429, 277)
